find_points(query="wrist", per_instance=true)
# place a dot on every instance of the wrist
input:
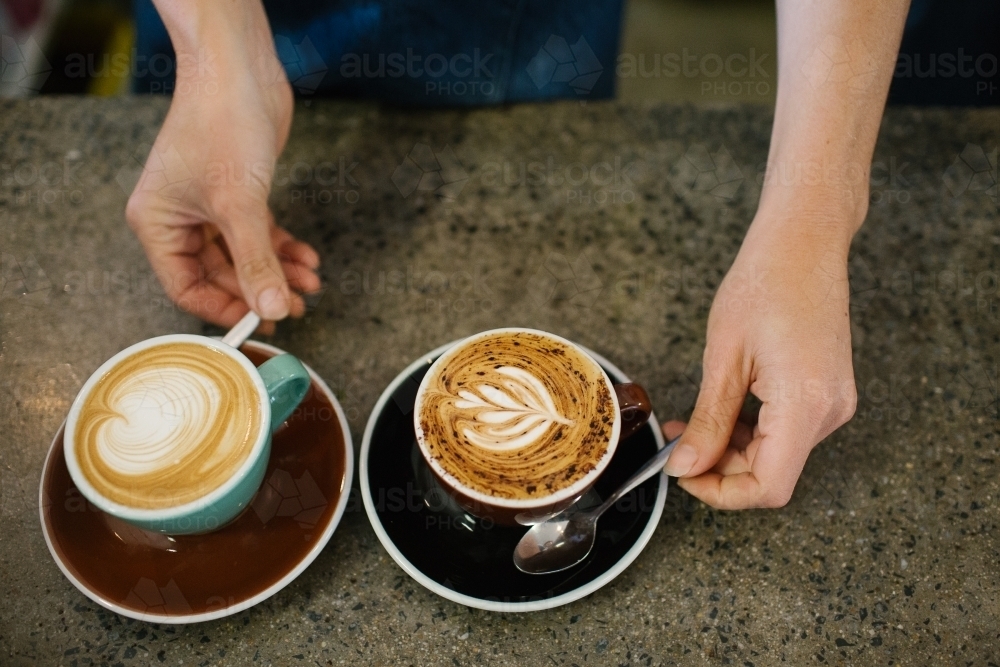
(818, 175)
(825, 198)
(217, 35)
(800, 218)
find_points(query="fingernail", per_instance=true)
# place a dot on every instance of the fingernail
(271, 304)
(681, 461)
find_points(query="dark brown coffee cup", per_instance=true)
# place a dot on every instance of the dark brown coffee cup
(632, 411)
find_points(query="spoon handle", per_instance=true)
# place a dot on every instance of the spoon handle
(239, 333)
(651, 467)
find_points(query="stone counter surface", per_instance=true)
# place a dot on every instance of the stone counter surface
(610, 225)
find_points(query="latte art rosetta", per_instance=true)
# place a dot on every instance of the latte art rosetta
(512, 416)
(167, 425)
(516, 415)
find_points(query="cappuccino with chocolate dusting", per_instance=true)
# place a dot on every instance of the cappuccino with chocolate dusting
(516, 414)
(167, 425)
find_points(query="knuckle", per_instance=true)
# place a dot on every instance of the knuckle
(257, 267)
(819, 409)
(849, 405)
(776, 497)
(135, 210)
(837, 409)
(706, 421)
(254, 265)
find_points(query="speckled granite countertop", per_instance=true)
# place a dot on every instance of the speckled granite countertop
(610, 225)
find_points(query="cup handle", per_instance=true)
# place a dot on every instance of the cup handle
(635, 408)
(287, 382)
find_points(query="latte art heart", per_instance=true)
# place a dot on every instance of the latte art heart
(159, 416)
(516, 415)
(167, 425)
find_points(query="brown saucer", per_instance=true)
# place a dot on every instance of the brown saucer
(191, 578)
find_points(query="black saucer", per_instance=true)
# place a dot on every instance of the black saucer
(471, 561)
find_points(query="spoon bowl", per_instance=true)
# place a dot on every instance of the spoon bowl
(556, 545)
(564, 540)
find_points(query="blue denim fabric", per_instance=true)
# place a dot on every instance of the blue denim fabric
(950, 54)
(426, 53)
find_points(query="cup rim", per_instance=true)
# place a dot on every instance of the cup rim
(125, 512)
(516, 503)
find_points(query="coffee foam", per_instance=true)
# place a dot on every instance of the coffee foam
(516, 415)
(167, 425)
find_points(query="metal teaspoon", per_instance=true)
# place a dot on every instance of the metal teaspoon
(567, 538)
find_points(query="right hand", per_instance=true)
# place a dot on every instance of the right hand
(780, 328)
(200, 207)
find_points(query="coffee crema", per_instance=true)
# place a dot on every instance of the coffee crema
(167, 425)
(516, 415)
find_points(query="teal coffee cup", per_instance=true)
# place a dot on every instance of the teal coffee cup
(173, 434)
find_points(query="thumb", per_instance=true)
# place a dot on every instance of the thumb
(704, 441)
(258, 270)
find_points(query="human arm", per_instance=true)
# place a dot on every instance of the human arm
(200, 207)
(779, 325)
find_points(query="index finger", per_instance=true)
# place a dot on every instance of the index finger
(780, 453)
